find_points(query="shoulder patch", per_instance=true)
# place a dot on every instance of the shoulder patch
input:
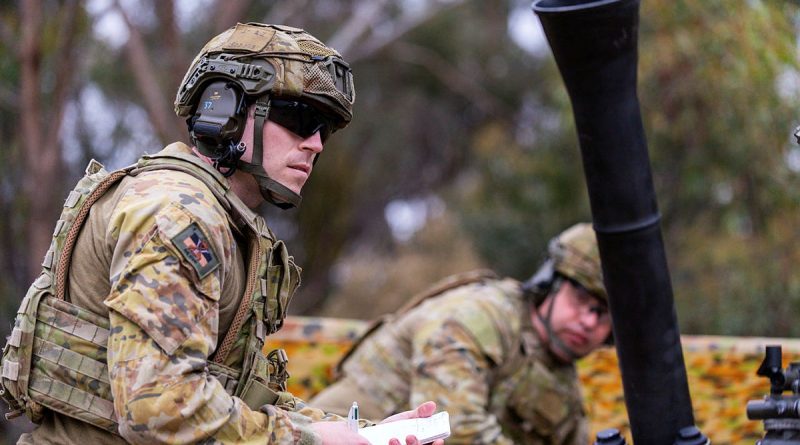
(193, 244)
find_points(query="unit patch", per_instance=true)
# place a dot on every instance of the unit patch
(194, 246)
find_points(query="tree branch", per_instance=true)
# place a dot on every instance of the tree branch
(30, 66)
(378, 42)
(284, 12)
(450, 76)
(165, 10)
(40, 160)
(144, 74)
(360, 21)
(65, 66)
(228, 12)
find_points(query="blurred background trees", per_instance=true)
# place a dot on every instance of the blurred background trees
(462, 152)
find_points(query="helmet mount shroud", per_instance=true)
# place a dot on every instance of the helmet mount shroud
(250, 64)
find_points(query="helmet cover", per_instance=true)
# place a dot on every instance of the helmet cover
(575, 256)
(279, 60)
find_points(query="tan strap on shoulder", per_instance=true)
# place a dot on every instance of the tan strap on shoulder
(208, 175)
(69, 243)
(438, 288)
(445, 285)
(228, 341)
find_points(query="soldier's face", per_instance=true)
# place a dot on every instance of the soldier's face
(289, 158)
(579, 320)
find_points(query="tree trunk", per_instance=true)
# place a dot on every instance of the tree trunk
(41, 125)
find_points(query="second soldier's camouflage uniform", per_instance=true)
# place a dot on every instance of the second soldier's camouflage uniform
(472, 350)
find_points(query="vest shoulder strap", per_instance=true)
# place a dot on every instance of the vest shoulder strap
(94, 184)
(208, 175)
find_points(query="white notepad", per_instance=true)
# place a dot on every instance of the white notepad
(427, 429)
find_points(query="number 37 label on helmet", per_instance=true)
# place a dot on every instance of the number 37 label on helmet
(192, 243)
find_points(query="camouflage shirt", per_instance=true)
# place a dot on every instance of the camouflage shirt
(474, 352)
(161, 258)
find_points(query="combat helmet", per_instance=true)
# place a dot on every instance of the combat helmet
(573, 254)
(278, 68)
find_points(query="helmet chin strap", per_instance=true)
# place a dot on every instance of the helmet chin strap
(272, 191)
(555, 343)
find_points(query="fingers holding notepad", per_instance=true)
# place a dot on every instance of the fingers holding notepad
(421, 423)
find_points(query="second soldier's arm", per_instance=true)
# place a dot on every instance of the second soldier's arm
(452, 369)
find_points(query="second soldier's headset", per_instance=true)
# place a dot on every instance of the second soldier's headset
(538, 286)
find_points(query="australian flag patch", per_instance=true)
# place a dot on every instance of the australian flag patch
(194, 246)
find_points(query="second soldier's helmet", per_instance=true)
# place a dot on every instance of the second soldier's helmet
(573, 254)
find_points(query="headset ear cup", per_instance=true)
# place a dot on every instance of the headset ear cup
(219, 119)
(538, 286)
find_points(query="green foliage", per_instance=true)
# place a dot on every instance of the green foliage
(452, 107)
(718, 129)
(517, 199)
(718, 126)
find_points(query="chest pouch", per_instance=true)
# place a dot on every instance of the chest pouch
(542, 401)
(279, 286)
(266, 375)
(272, 282)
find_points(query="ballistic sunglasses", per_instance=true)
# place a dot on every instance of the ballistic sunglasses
(299, 118)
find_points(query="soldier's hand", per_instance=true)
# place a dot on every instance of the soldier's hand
(335, 433)
(426, 409)
(412, 440)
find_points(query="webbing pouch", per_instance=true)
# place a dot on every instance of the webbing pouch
(256, 391)
(18, 353)
(227, 377)
(56, 358)
(282, 280)
(69, 370)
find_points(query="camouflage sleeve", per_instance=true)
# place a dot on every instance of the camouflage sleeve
(452, 370)
(300, 406)
(164, 325)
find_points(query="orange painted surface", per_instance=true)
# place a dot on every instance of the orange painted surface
(721, 372)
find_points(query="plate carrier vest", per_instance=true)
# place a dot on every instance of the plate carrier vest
(55, 357)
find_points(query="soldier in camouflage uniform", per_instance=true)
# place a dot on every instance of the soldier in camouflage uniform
(147, 322)
(497, 354)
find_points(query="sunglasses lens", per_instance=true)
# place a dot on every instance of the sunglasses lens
(299, 118)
